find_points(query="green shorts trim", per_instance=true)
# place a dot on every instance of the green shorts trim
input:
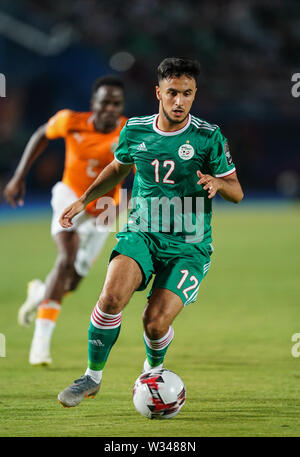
(178, 266)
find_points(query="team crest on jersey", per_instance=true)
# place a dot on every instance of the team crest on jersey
(186, 151)
(227, 152)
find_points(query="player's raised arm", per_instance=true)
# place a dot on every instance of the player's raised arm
(15, 189)
(114, 173)
(228, 186)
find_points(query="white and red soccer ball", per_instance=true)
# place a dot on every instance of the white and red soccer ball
(158, 394)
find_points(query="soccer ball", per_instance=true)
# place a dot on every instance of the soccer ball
(158, 394)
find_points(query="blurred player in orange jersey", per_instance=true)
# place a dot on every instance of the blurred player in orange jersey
(90, 141)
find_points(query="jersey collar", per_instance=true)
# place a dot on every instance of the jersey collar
(177, 132)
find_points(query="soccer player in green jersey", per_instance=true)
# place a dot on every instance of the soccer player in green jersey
(181, 163)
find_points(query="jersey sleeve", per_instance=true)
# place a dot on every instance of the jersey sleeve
(220, 160)
(122, 153)
(57, 126)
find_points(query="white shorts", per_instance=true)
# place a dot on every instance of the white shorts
(91, 238)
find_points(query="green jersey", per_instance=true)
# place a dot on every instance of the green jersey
(166, 198)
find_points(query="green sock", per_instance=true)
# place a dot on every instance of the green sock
(100, 343)
(156, 349)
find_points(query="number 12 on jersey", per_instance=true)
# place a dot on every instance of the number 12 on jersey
(166, 163)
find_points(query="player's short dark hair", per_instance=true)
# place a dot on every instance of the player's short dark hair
(108, 80)
(176, 66)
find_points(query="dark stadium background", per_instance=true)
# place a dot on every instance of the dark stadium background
(51, 52)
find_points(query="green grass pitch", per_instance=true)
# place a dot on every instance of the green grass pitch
(232, 347)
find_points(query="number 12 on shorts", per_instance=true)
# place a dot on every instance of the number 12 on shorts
(195, 285)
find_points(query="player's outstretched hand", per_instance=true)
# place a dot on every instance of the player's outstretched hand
(14, 192)
(209, 183)
(71, 211)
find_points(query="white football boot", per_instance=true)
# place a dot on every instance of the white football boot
(35, 294)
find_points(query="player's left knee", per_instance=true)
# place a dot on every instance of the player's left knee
(155, 327)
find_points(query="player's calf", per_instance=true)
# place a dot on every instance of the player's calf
(72, 282)
(161, 310)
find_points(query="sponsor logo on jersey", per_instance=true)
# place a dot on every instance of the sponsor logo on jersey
(186, 151)
(227, 152)
(142, 147)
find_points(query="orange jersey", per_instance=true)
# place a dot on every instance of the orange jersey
(88, 151)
